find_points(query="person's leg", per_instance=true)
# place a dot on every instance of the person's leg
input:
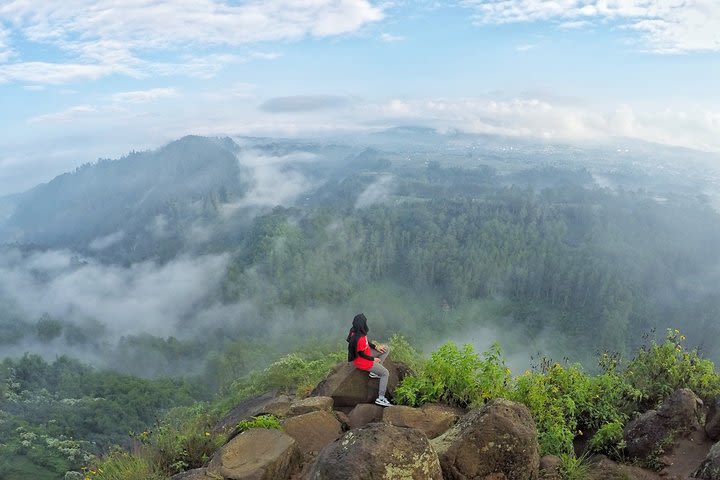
(384, 375)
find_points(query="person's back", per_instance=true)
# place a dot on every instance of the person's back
(368, 356)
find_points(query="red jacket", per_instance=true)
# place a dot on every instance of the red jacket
(364, 347)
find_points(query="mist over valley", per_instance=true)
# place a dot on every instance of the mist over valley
(207, 241)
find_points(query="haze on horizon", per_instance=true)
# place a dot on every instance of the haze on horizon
(85, 79)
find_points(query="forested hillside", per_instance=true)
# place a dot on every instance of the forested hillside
(157, 279)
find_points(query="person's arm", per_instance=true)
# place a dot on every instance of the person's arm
(362, 346)
(366, 356)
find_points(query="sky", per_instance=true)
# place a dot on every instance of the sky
(88, 79)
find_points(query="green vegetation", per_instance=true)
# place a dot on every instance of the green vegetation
(658, 369)
(55, 416)
(565, 401)
(514, 247)
(120, 465)
(457, 377)
(261, 421)
(573, 468)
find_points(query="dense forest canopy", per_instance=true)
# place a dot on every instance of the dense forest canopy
(209, 258)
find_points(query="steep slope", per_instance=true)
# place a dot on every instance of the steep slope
(179, 182)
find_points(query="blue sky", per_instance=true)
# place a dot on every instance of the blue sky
(82, 79)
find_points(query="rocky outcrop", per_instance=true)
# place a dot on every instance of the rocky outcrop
(378, 451)
(349, 386)
(712, 420)
(313, 431)
(310, 404)
(499, 439)
(363, 414)
(602, 468)
(654, 429)
(433, 420)
(710, 468)
(268, 403)
(257, 454)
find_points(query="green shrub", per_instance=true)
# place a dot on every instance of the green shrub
(457, 377)
(183, 440)
(552, 407)
(296, 373)
(573, 468)
(261, 421)
(608, 440)
(120, 465)
(402, 351)
(657, 370)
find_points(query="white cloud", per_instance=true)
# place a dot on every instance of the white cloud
(145, 297)
(557, 120)
(143, 96)
(5, 50)
(273, 180)
(58, 73)
(389, 38)
(377, 192)
(526, 47)
(102, 243)
(665, 26)
(65, 115)
(86, 132)
(107, 37)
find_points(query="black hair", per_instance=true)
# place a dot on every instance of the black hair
(359, 328)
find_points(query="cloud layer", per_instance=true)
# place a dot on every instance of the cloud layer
(106, 37)
(142, 298)
(666, 26)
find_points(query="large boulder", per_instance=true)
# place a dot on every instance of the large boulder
(313, 430)
(363, 414)
(310, 404)
(257, 454)
(349, 386)
(433, 420)
(712, 421)
(498, 440)
(268, 403)
(651, 431)
(710, 468)
(378, 451)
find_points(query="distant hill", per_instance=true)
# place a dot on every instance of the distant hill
(116, 200)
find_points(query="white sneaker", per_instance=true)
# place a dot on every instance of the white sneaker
(383, 402)
(373, 375)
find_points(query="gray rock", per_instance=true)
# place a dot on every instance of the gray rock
(433, 420)
(550, 467)
(710, 468)
(349, 386)
(498, 440)
(712, 421)
(378, 451)
(313, 431)
(268, 403)
(310, 404)
(257, 454)
(678, 415)
(363, 414)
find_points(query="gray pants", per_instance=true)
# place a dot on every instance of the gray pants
(378, 369)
